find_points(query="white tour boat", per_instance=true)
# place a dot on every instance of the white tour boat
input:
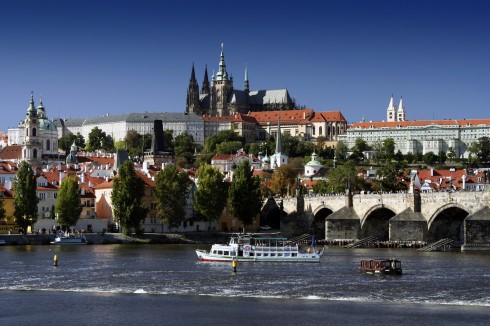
(255, 248)
(69, 239)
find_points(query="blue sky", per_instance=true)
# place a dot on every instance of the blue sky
(87, 58)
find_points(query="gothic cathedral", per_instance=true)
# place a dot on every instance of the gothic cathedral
(222, 99)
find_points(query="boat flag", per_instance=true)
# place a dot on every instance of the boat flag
(313, 242)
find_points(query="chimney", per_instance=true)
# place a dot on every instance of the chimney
(431, 172)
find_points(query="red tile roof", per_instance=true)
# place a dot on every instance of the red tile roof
(10, 153)
(286, 116)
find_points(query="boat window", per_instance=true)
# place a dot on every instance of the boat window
(273, 254)
(251, 254)
(266, 254)
(259, 254)
(294, 254)
(287, 254)
(226, 253)
(215, 252)
(220, 252)
(279, 254)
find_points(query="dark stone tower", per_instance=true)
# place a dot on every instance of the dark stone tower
(158, 154)
(205, 84)
(192, 103)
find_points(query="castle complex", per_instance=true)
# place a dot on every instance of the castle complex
(222, 99)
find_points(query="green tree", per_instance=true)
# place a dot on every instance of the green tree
(25, 198)
(442, 157)
(398, 156)
(474, 150)
(341, 150)
(430, 158)
(391, 176)
(484, 149)
(184, 147)
(68, 203)
(245, 199)
(343, 176)
(409, 157)
(127, 192)
(389, 148)
(289, 144)
(211, 193)
(65, 142)
(283, 180)
(97, 139)
(451, 154)
(172, 188)
(417, 157)
(223, 136)
(228, 147)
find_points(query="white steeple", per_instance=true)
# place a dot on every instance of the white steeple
(391, 111)
(401, 111)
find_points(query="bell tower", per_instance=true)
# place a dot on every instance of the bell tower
(221, 88)
(32, 146)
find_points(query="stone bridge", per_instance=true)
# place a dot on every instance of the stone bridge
(404, 217)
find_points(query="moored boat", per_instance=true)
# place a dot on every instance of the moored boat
(381, 266)
(64, 239)
(252, 248)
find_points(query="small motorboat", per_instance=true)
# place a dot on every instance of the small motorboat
(381, 266)
(69, 239)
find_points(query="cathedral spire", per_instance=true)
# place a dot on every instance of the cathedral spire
(278, 138)
(222, 74)
(193, 74)
(245, 83)
(192, 101)
(205, 84)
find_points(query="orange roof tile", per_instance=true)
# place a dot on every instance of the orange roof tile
(10, 153)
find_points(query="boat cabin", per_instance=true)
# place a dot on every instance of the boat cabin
(381, 266)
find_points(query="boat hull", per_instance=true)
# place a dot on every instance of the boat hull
(69, 241)
(300, 258)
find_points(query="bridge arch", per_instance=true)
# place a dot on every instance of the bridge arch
(448, 222)
(376, 222)
(317, 222)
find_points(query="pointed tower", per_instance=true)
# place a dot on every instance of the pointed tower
(278, 158)
(31, 145)
(401, 115)
(205, 84)
(245, 82)
(221, 88)
(391, 111)
(192, 103)
(41, 112)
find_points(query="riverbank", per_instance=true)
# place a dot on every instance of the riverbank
(118, 238)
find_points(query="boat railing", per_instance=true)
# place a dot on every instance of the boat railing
(275, 248)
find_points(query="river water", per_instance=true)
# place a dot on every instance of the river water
(167, 285)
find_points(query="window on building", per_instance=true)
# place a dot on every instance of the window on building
(320, 130)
